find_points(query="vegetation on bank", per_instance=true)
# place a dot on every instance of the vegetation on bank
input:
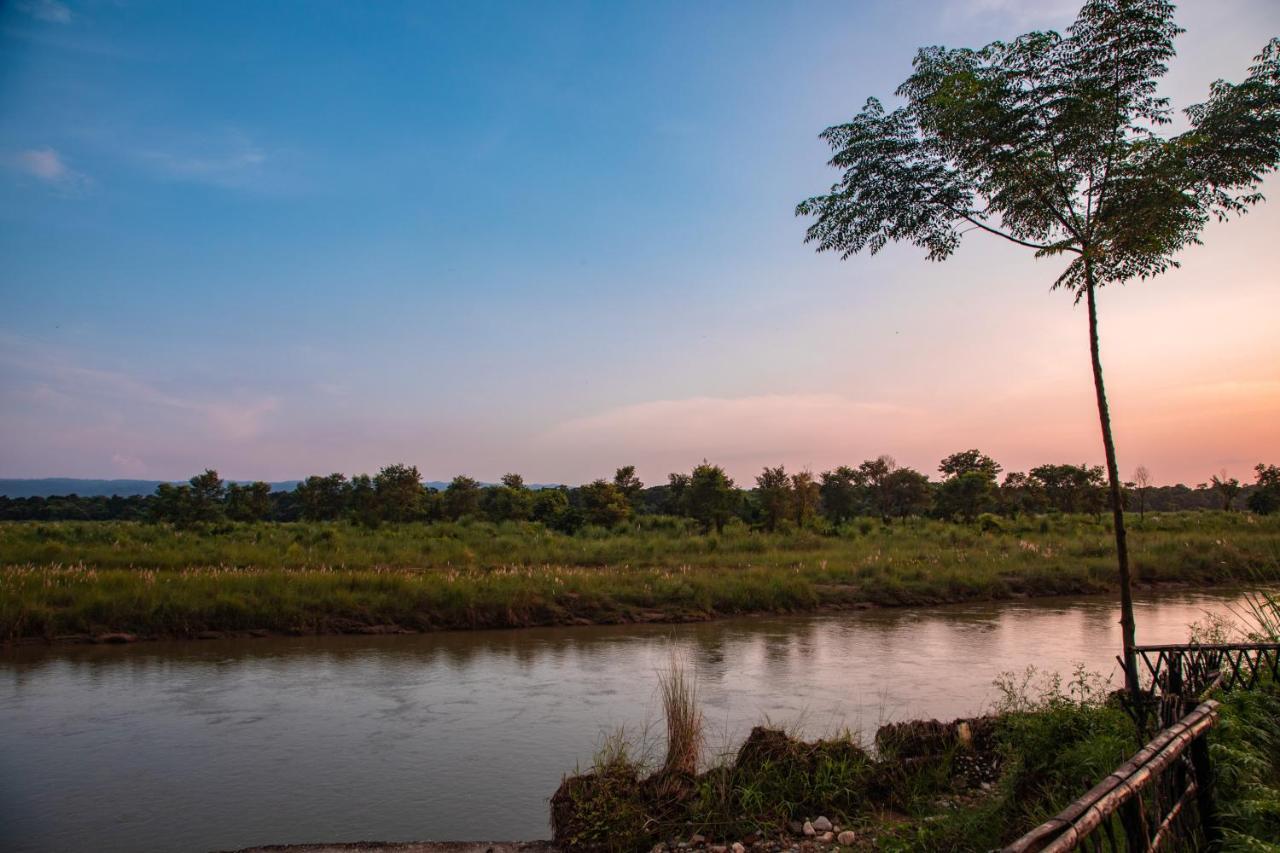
(65, 578)
(969, 486)
(971, 785)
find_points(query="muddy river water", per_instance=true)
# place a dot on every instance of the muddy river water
(220, 744)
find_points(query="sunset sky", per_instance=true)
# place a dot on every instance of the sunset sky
(555, 238)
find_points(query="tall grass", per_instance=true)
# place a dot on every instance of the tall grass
(86, 577)
(1259, 613)
(683, 718)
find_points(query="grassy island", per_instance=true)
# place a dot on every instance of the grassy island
(85, 579)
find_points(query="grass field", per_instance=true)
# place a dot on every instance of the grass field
(62, 578)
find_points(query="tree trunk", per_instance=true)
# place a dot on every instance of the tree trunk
(1128, 632)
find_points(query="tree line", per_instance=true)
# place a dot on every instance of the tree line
(969, 486)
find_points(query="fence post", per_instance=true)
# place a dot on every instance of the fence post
(1204, 792)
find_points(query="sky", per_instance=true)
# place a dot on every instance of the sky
(280, 239)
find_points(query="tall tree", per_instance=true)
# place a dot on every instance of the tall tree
(1051, 142)
(773, 496)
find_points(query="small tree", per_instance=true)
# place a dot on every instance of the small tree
(907, 492)
(363, 502)
(461, 498)
(969, 462)
(841, 494)
(968, 485)
(172, 503)
(323, 498)
(629, 485)
(774, 496)
(1265, 498)
(966, 495)
(874, 476)
(1141, 485)
(603, 503)
(1226, 487)
(398, 492)
(550, 506)
(510, 500)
(206, 496)
(1051, 142)
(1070, 488)
(711, 497)
(804, 490)
(677, 502)
(248, 503)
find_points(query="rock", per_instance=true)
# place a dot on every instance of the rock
(809, 829)
(717, 848)
(827, 837)
(259, 632)
(822, 825)
(696, 839)
(796, 827)
(659, 848)
(738, 848)
(847, 837)
(115, 638)
(210, 635)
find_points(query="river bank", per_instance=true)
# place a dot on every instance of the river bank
(84, 582)
(567, 617)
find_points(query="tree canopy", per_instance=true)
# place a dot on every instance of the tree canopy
(1052, 142)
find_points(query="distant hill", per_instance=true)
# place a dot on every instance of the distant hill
(49, 486)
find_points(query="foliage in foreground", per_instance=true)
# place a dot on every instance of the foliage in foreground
(1048, 743)
(73, 578)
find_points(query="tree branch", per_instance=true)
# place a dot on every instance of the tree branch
(1010, 237)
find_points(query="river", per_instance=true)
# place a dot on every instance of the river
(197, 746)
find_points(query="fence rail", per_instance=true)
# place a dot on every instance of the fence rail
(1157, 800)
(1190, 668)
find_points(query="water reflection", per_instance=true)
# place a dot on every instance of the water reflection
(197, 746)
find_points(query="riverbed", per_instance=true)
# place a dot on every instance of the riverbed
(220, 744)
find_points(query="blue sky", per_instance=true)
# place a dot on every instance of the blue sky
(288, 238)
